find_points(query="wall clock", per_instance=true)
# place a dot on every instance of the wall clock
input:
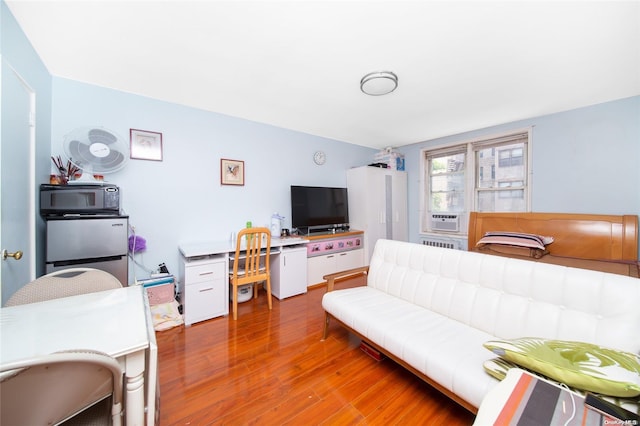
(319, 158)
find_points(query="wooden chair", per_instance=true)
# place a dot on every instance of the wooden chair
(64, 283)
(251, 263)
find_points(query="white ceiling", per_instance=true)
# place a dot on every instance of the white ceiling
(461, 65)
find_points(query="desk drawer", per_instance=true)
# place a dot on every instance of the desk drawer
(205, 300)
(204, 272)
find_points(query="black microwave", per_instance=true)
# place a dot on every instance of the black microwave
(79, 199)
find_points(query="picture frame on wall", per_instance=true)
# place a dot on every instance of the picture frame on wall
(146, 145)
(231, 172)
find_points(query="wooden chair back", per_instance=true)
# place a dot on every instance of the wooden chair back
(247, 265)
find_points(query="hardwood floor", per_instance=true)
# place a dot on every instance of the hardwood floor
(271, 368)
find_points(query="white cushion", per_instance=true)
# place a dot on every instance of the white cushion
(418, 336)
(511, 298)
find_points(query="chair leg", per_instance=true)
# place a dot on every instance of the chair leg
(269, 292)
(235, 301)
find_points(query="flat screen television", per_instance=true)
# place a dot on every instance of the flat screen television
(316, 208)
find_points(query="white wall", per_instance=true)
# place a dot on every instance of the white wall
(180, 199)
(584, 161)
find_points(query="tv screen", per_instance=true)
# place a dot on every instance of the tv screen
(318, 207)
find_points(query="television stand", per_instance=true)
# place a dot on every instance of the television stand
(330, 253)
(324, 230)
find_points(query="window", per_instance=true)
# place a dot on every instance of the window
(482, 175)
(446, 180)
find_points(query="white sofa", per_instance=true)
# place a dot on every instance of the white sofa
(431, 309)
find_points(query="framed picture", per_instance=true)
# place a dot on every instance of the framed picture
(146, 145)
(231, 172)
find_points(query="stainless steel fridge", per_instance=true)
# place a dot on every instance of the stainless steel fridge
(90, 241)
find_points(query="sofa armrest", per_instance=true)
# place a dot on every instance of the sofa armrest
(331, 278)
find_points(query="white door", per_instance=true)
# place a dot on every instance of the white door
(17, 147)
(399, 207)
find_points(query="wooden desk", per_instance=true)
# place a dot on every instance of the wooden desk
(204, 275)
(116, 322)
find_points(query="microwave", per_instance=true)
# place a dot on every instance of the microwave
(79, 199)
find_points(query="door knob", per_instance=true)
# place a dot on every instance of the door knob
(17, 255)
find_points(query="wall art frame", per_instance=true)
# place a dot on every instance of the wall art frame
(231, 172)
(145, 145)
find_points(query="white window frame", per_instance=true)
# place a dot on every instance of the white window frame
(470, 175)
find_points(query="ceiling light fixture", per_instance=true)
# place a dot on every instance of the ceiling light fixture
(379, 83)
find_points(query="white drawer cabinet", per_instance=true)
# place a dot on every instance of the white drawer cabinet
(349, 260)
(204, 289)
(319, 266)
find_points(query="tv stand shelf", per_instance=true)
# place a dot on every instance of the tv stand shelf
(331, 235)
(329, 253)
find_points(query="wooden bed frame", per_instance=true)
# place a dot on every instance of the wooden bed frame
(607, 243)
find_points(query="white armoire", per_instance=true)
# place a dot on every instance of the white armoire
(377, 205)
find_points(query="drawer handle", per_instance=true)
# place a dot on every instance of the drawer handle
(206, 289)
(343, 254)
(206, 273)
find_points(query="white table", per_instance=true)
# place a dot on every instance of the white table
(116, 322)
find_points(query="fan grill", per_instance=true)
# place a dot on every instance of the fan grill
(95, 150)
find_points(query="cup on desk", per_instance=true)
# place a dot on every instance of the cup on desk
(285, 232)
(232, 238)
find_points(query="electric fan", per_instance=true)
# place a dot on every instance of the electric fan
(95, 150)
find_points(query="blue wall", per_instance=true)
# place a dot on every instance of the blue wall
(181, 199)
(584, 161)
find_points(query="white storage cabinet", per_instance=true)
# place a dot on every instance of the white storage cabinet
(204, 291)
(378, 205)
(333, 253)
(319, 266)
(289, 272)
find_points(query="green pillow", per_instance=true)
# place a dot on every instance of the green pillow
(498, 367)
(581, 365)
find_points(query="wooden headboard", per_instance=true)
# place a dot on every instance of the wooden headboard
(608, 238)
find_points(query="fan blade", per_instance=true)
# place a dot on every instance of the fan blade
(102, 136)
(79, 151)
(113, 160)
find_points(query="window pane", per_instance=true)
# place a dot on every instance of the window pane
(447, 164)
(449, 202)
(448, 182)
(511, 184)
(501, 201)
(506, 163)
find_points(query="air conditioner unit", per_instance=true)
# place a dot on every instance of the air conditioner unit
(445, 222)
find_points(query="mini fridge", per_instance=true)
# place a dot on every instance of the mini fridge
(88, 241)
